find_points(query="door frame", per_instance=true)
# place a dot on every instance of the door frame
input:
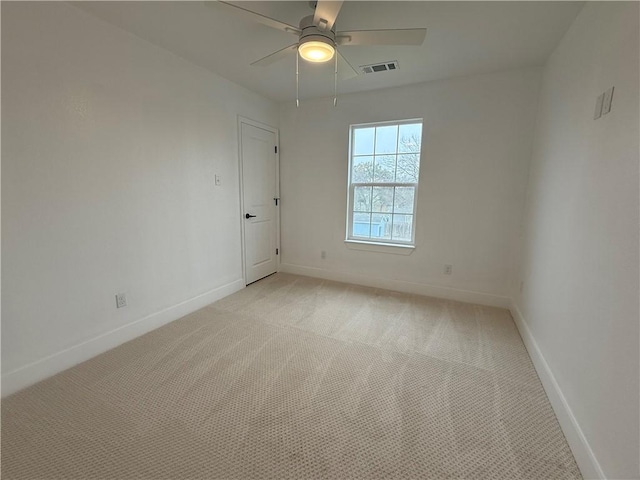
(254, 123)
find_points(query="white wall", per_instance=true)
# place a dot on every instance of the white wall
(476, 148)
(109, 149)
(579, 258)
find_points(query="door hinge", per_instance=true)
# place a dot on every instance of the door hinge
(277, 251)
(276, 148)
(276, 200)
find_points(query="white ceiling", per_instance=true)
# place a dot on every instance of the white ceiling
(463, 38)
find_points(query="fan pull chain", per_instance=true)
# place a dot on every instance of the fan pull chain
(297, 81)
(335, 83)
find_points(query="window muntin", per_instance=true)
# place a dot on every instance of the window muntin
(384, 167)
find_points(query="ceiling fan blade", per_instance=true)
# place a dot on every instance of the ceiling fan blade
(258, 17)
(345, 69)
(326, 13)
(275, 56)
(408, 36)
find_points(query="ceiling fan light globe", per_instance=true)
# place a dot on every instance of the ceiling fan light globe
(316, 52)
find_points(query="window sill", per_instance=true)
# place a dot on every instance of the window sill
(392, 248)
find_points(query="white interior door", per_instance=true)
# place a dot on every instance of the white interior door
(259, 191)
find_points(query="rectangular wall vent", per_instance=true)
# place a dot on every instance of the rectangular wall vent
(380, 67)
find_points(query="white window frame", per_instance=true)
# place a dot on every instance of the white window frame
(367, 242)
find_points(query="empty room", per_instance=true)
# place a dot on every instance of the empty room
(326, 239)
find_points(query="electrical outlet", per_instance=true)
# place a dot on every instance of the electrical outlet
(448, 269)
(323, 255)
(598, 112)
(121, 300)
(606, 103)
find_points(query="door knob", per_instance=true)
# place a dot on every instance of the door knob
(249, 216)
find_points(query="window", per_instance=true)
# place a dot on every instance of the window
(384, 165)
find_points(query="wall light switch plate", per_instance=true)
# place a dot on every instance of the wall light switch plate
(599, 101)
(606, 104)
(217, 179)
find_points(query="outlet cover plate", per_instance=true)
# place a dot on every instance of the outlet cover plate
(598, 112)
(606, 103)
(121, 300)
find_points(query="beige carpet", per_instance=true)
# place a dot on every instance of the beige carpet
(295, 377)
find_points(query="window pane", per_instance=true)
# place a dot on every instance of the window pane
(386, 139)
(361, 224)
(363, 141)
(382, 199)
(362, 169)
(403, 201)
(384, 173)
(381, 226)
(385, 168)
(410, 138)
(402, 227)
(408, 168)
(362, 199)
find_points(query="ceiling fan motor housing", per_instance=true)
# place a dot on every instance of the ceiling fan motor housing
(312, 33)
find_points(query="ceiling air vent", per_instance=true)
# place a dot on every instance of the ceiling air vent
(380, 67)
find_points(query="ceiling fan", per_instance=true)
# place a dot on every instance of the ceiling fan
(318, 39)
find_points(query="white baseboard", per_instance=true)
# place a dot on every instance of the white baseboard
(586, 459)
(46, 367)
(399, 285)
